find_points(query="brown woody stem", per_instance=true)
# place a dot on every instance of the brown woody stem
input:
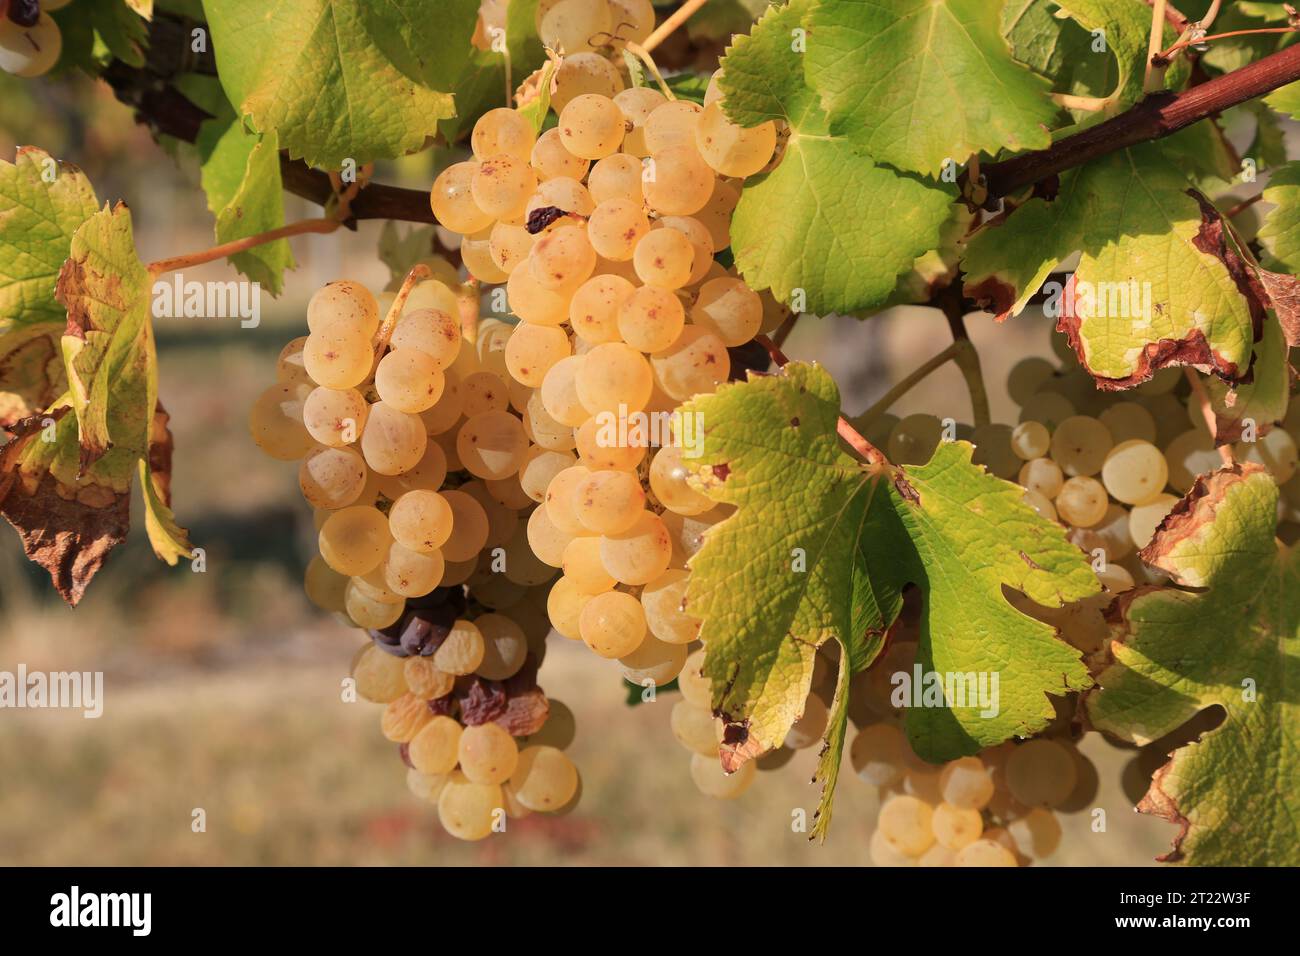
(1202, 398)
(241, 245)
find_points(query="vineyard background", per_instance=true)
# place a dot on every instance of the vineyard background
(222, 689)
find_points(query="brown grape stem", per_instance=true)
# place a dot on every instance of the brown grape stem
(666, 29)
(1166, 56)
(966, 358)
(241, 245)
(1202, 398)
(644, 56)
(418, 273)
(869, 452)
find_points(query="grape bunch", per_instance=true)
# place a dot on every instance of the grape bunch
(995, 809)
(405, 445)
(603, 230)
(30, 41)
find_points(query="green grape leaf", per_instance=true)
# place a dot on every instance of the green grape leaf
(1157, 284)
(689, 86)
(827, 229)
(240, 172)
(342, 79)
(1125, 26)
(481, 86)
(536, 109)
(821, 548)
(1233, 642)
(1232, 53)
(42, 204)
(1280, 233)
(963, 93)
(400, 250)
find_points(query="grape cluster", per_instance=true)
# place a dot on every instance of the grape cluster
(995, 809)
(30, 41)
(603, 230)
(408, 453)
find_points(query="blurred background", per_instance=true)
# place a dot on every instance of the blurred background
(222, 689)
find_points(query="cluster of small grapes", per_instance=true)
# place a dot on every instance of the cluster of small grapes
(576, 27)
(604, 231)
(408, 454)
(1108, 466)
(30, 41)
(995, 809)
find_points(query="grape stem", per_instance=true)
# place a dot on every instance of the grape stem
(1154, 80)
(1166, 56)
(1242, 206)
(784, 329)
(967, 359)
(418, 272)
(644, 55)
(665, 29)
(299, 228)
(911, 380)
(869, 452)
(1202, 398)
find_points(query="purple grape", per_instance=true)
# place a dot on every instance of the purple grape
(25, 13)
(425, 629)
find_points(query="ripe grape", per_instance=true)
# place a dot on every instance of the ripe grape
(562, 260)
(582, 567)
(408, 380)
(331, 478)
(695, 728)
(483, 392)
(420, 520)
(599, 448)
(436, 748)
(550, 159)
(404, 717)
(1135, 471)
(878, 754)
(392, 441)
(1041, 773)
(664, 258)
(591, 126)
(1026, 377)
(616, 227)
(712, 781)
(905, 823)
(467, 810)
(914, 439)
(1037, 833)
(641, 553)
(1127, 421)
(654, 663)
(613, 378)
(965, 783)
(985, 853)
(1082, 502)
(672, 124)
(1042, 475)
(32, 50)
(544, 778)
(462, 651)
(668, 481)
(696, 364)
(730, 309)
(488, 754)
(343, 304)
(492, 444)
(452, 200)
(616, 177)
(612, 624)
(1031, 440)
(580, 73)
(379, 676)
(564, 606)
(354, 540)
(733, 150)
(425, 681)
(1276, 451)
(955, 827)
(469, 527)
(276, 421)
(340, 357)
(429, 331)
(1080, 445)
(677, 182)
(502, 131)
(594, 309)
(532, 301)
(663, 601)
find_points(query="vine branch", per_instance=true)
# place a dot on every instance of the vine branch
(665, 29)
(1156, 117)
(1202, 398)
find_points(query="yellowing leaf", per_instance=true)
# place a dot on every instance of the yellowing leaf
(1233, 642)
